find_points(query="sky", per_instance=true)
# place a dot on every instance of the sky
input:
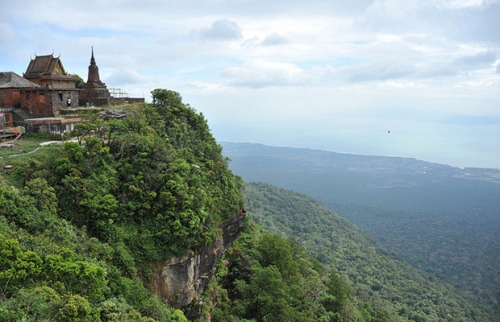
(417, 79)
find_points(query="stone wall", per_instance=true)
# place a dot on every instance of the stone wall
(59, 100)
(126, 100)
(50, 125)
(92, 94)
(180, 280)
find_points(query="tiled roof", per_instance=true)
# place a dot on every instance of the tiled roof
(12, 80)
(43, 65)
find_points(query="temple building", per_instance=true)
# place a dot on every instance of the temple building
(12, 88)
(94, 92)
(58, 89)
(45, 95)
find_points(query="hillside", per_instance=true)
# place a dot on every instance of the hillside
(440, 219)
(86, 225)
(134, 219)
(378, 274)
(129, 220)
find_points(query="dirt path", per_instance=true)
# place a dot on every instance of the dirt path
(16, 155)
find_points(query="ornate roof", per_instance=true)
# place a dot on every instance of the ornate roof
(12, 80)
(45, 65)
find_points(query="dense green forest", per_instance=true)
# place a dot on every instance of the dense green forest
(440, 219)
(266, 277)
(378, 274)
(81, 222)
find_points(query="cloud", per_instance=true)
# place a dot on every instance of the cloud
(366, 72)
(471, 120)
(461, 4)
(459, 66)
(124, 77)
(473, 21)
(312, 58)
(274, 39)
(479, 59)
(258, 74)
(222, 29)
(6, 34)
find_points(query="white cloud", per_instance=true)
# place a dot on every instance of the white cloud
(258, 74)
(125, 77)
(6, 34)
(252, 60)
(222, 29)
(462, 4)
(273, 40)
(367, 72)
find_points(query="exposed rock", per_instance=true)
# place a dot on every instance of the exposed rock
(179, 281)
(114, 114)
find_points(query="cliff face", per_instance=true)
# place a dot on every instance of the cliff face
(180, 280)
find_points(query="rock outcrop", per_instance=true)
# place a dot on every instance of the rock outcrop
(180, 280)
(108, 114)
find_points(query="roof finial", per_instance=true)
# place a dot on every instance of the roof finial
(92, 59)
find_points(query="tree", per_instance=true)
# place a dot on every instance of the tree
(44, 195)
(338, 291)
(266, 295)
(17, 267)
(73, 276)
(79, 80)
(278, 252)
(165, 97)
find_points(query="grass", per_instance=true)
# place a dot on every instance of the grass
(22, 146)
(24, 150)
(27, 148)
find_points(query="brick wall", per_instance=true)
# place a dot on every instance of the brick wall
(37, 102)
(10, 97)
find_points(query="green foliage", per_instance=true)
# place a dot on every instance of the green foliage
(17, 267)
(69, 275)
(85, 219)
(44, 195)
(79, 80)
(375, 275)
(165, 97)
(266, 295)
(440, 219)
(277, 252)
(337, 293)
(22, 210)
(269, 278)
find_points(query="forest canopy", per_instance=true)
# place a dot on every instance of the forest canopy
(81, 221)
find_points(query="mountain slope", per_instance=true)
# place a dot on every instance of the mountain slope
(84, 223)
(379, 273)
(440, 219)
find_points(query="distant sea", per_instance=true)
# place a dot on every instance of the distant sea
(450, 142)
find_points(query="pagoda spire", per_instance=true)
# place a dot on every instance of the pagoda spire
(92, 59)
(93, 70)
